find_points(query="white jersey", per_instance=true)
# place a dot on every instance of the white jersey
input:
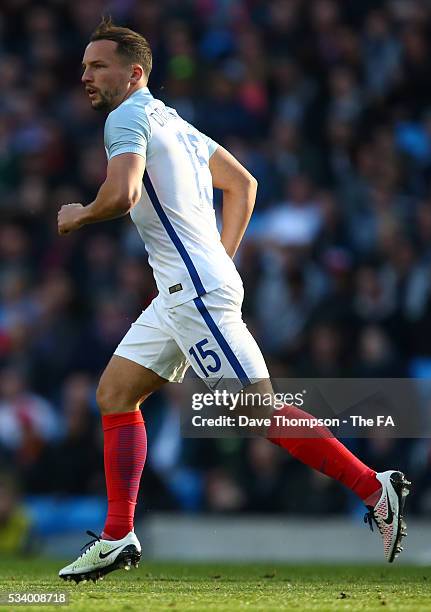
(175, 216)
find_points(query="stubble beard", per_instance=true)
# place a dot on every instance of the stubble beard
(107, 101)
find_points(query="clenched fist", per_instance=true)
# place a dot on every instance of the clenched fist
(69, 218)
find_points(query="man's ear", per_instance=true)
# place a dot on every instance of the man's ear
(137, 73)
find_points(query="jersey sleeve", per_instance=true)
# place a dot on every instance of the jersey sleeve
(211, 144)
(126, 131)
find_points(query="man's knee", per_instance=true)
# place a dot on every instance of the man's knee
(112, 398)
(124, 385)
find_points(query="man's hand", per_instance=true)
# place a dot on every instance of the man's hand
(69, 218)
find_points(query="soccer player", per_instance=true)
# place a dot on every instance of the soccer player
(162, 171)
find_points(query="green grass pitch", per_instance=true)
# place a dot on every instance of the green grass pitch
(204, 587)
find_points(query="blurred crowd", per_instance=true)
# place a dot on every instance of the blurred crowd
(328, 104)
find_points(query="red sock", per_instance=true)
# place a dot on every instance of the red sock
(325, 453)
(125, 451)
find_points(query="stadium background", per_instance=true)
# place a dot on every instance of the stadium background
(328, 104)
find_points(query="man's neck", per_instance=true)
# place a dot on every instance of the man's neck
(133, 89)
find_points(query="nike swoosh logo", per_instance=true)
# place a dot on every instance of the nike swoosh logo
(390, 516)
(215, 384)
(104, 555)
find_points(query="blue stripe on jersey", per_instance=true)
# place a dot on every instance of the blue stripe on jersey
(200, 290)
(221, 340)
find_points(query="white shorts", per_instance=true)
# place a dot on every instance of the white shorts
(207, 333)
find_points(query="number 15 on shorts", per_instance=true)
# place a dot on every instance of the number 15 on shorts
(206, 359)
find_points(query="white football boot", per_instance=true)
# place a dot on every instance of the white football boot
(388, 512)
(102, 557)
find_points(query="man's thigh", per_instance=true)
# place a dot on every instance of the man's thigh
(146, 359)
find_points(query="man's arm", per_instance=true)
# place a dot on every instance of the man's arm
(120, 191)
(239, 194)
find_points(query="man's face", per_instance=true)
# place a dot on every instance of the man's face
(106, 75)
